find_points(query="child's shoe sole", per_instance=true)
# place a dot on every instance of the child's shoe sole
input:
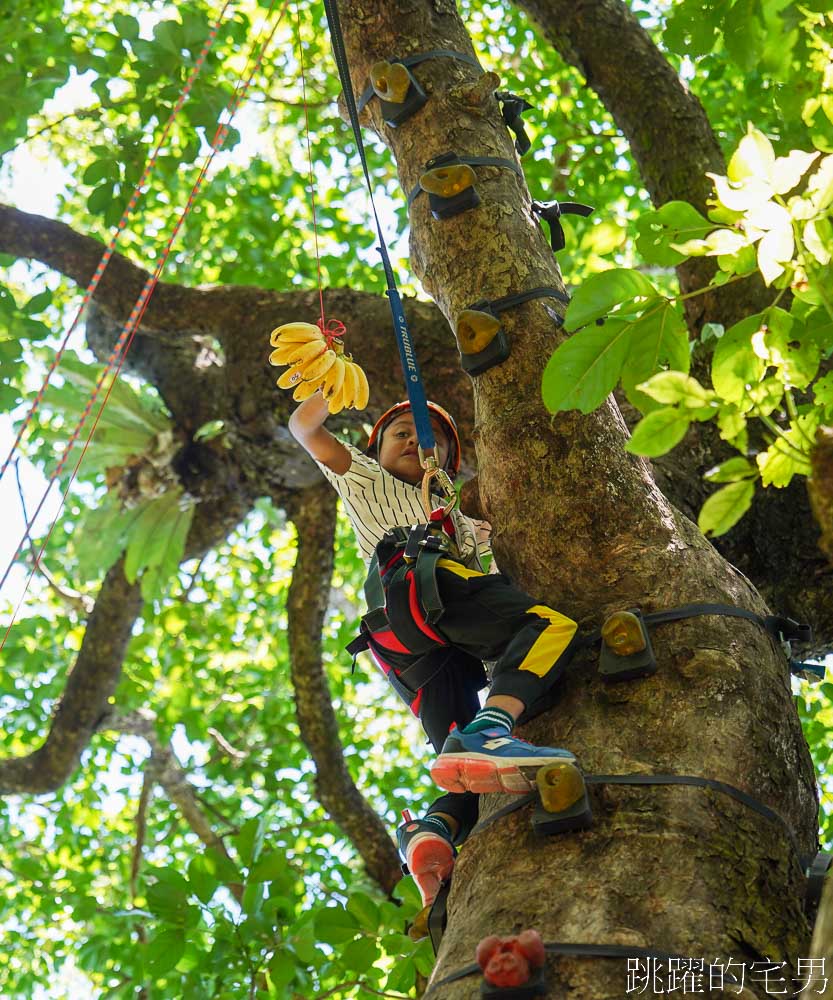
(482, 774)
(430, 861)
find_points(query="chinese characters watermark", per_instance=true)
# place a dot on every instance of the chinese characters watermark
(691, 976)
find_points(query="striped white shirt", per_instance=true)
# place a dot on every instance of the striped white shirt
(375, 501)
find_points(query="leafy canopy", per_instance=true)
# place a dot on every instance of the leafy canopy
(89, 86)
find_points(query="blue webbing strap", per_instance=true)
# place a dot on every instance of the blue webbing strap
(407, 355)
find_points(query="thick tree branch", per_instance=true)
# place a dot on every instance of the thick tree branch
(89, 687)
(313, 513)
(95, 675)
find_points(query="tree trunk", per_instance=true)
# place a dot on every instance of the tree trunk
(581, 524)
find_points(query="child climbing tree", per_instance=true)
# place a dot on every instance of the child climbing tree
(214, 852)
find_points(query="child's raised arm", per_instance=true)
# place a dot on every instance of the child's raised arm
(306, 425)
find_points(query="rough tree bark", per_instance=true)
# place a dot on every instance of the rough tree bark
(581, 524)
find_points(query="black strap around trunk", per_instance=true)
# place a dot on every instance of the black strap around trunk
(780, 628)
(475, 161)
(666, 779)
(368, 93)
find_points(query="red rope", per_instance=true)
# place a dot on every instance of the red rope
(133, 322)
(321, 322)
(108, 253)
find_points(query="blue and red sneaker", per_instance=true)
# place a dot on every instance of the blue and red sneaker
(428, 855)
(491, 761)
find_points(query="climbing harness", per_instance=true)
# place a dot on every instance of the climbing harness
(138, 191)
(119, 353)
(481, 340)
(551, 212)
(448, 180)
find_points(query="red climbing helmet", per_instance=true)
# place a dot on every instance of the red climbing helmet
(444, 417)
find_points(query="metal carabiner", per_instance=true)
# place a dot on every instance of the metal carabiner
(428, 461)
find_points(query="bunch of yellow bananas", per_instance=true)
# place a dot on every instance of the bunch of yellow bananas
(313, 365)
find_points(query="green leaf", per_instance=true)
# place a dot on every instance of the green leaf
(732, 425)
(170, 876)
(268, 867)
(249, 841)
(126, 25)
(586, 367)
(168, 902)
(167, 34)
(766, 396)
(203, 877)
(38, 302)
(676, 387)
(725, 508)
(795, 356)
(100, 198)
(424, 957)
(658, 337)
(788, 456)
(600, 293)
(403, 976)
(164, 566)
(282, 967)
(303, 941)
(359, 955)
(164, 951)
(252, 898)
(364, 910)
(823, 395)
(674, 222)
(658, 432)
(210, 430)
(732, 471)
(151, 533)
(735, 364)
(334, 925)
(223, 868)
(99, 170)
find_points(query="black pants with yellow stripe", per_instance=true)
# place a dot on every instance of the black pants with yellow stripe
(484, 617)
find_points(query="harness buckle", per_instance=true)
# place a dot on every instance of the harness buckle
(425, 538)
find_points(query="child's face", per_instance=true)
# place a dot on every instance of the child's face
(398, 452)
